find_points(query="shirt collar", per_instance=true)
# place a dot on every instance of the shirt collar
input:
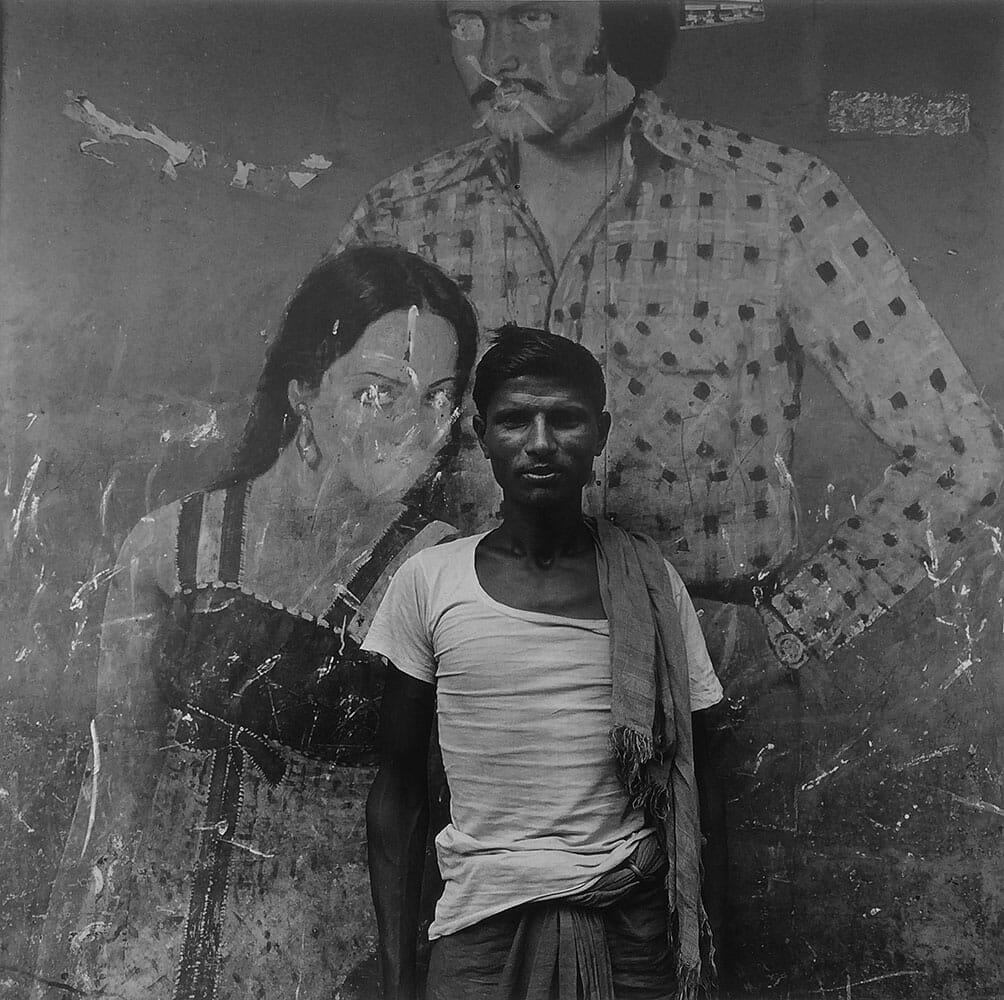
(652, 131)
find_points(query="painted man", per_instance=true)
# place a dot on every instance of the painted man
(561, 659)
(702, 266)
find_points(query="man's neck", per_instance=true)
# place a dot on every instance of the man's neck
(575, 151)
(564, 181)
(542, 535)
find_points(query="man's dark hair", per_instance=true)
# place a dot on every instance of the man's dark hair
(636, 38)
(519, 350)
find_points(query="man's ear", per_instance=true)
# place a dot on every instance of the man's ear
(603, 423)
(479, 429)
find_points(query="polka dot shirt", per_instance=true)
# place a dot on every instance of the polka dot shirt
(719, 263)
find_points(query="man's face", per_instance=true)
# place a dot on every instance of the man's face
(523, 64)
(541, 436)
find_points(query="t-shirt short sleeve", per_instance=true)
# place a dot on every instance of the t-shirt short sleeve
(705, 687)
(400, 630)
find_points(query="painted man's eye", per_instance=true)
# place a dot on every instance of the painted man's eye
(536, 20)
(467, 27)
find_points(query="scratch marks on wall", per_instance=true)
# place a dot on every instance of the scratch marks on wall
(980, 805)
(841, 757)
(95, 772)
(105, 131)
(923, 758)
(26, 500)
(892, 114)
(5, 797)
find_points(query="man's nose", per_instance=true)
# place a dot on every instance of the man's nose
(540, 440)
(500, 53)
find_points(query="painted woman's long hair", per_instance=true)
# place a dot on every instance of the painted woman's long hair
(322, 321)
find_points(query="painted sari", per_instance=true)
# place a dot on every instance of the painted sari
(218, 846)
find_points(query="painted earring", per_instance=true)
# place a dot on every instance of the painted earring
(306, 443)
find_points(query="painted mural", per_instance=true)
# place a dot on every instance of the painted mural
(213, 472)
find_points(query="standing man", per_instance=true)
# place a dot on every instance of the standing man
(701, 265)
(562, 659)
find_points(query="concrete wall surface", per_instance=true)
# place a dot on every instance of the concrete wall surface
(866, 793)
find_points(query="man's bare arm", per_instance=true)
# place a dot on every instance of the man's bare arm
(715, 853)
(397, 817)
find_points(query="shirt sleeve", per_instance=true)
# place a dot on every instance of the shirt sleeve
(399, 630)
(850, 302)
(358, 230)
(705, 687)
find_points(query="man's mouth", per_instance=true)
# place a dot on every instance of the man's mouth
(541, 474)
(494, 90)
(507, 97)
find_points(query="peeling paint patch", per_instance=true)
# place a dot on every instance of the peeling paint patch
(105, 131)
(209, 431)
(242, 174)
(893, 114)
(715, 15)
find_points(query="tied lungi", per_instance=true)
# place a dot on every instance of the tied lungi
(607, 942)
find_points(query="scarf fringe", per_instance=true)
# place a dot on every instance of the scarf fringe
(700, 978)
(633, 752)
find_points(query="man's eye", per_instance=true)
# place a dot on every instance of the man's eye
(536, 20)
(467, 27)
(565, 421)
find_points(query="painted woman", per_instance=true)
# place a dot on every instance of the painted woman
(217, 846)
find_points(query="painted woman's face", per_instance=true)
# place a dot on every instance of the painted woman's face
(385, 407)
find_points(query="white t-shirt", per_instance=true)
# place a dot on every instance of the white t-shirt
(523, 703)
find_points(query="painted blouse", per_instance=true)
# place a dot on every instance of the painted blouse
(717, 263)
(216, 846)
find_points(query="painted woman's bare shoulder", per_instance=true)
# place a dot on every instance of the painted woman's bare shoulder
(149, 552)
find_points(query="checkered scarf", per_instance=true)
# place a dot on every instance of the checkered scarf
(651, 732)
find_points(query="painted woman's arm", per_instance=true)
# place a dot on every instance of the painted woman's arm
(126, 738)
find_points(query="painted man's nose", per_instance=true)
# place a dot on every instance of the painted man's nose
(500, 55)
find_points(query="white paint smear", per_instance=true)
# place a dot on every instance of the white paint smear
(894, 114)
(270, 180)
(104, 128)
(316, 162)
(209, 431)
(241, 175)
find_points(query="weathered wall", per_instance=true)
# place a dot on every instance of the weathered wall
(867, 794)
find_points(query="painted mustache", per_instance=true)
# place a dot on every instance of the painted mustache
(487, 89)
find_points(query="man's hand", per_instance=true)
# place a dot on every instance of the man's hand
(397, 817)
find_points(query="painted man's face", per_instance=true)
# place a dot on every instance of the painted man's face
(524, 64)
